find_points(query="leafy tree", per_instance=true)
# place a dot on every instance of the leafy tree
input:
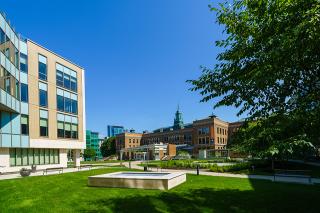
(269, 70)
(89, 153)
(108, 147)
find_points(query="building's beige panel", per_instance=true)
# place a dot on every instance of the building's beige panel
(33, 51)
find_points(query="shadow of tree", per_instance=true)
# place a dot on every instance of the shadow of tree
(261, 199)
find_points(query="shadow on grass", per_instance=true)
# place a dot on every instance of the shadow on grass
(261, 199)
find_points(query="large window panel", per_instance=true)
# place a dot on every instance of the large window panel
(24, 157)
(43, 98)
(74, 85)
(30, 156)
(12, 157)
(18, 157)
(43, 127)
(56, 156)
(67, 106)
(60, 129)
(24, 125)
(42, 68)
(51, 156)
(42, 156)
(24, 93)
(67, 128)
(74, 106)
(60, 103)
(59, 78)
(66, 79)
(23, 63)
(36, 156)
(47, 156)
(74, 131)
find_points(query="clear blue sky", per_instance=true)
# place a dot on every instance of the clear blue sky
(137, 54)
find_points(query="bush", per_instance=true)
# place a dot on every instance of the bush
(238, 167)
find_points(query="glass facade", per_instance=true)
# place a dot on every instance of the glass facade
(93, 141)
(115, 130)
(24, 157)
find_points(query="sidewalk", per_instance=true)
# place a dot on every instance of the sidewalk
(65, 170)
(134, 165)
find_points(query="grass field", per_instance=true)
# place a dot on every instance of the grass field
(69, 193)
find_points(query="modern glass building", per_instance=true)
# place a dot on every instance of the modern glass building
(42, 109)
(114, 130)
(93, 141)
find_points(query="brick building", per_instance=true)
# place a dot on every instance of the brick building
(208, 133)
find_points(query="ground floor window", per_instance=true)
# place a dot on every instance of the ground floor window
(24, 157)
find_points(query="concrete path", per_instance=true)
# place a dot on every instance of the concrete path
(66, 170)
(134, 165)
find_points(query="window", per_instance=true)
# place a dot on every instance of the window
(24, 125)
(67, 104)
(7, 85)
(24, 92)
(66, 81)
(66, 78)
(17, 90)
(74, 106)
(67, 128)
(60, 129)
(59, 78)
(23, 63)
(22, 156)
(43, 98)
(43, 127)
(74, 133)
(42, 68)
(60, 103)
(74, 85)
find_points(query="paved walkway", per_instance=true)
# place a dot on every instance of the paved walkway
(65, 170)
(134, 165)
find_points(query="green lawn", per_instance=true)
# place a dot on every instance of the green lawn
(69, 193)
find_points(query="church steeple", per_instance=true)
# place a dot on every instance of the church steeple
(178, 121)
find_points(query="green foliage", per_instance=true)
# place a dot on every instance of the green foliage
(183, 155)
(89, 153)
(270, 70)
(238, 167)
(108, 147)
(278, 137)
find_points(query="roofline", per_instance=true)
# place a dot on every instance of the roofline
(55, 53)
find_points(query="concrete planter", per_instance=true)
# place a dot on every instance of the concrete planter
(25, 172)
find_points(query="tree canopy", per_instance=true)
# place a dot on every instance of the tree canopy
(108, 147)
(269, 67)
(89, 153)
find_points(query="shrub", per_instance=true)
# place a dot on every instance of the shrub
(238, 167)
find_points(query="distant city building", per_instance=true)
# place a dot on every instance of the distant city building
(114, 130)
(93, 141)
(210, 133)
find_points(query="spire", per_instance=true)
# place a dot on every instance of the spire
(178, 121)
